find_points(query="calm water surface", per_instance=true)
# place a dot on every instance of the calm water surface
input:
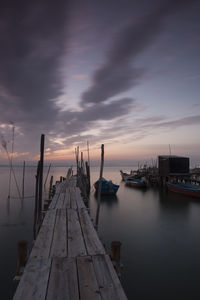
(159, 231)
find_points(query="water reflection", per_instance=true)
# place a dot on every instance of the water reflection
(140, 190)
(111, 200)
(8, 206)
(173, 203)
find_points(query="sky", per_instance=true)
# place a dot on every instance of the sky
(119, 72)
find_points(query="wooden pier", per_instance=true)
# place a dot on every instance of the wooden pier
(68, 261)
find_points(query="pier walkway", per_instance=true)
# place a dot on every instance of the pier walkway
(68, 261)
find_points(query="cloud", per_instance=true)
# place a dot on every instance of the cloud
(34, 42)
(33, 37)
(118, 74)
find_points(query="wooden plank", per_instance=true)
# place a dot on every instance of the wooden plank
(115, 279)
(105, 281)
(93, 244)
(73, 198)
(33, 284)
(43, 241)
(60, 187)
(79, 200)
(63, 282)
(66, 203)
(76, 244)
(60, 201)
(88, 285)
(59, 242)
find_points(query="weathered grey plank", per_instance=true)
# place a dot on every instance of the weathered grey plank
(66, 203)
(33, 284)
(79, 199)
(59, 242)
(73, 204)
(93, 244)
(60, 187)
(109, 285)
(76, 244)
(63, 282)
(117, 283)
(42, 245)
(60, 201)
(88, 286)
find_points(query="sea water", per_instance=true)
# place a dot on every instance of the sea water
(159, 232)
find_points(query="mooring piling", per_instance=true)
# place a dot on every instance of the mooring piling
(99, 189)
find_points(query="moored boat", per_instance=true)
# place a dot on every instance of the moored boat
(125, 176)
(107, 188)
(184, 188)
(136, 182)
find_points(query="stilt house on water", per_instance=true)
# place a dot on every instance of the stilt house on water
(173, 167)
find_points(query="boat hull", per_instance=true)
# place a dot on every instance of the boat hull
(137, 183)
(188, 190)
(108, 188)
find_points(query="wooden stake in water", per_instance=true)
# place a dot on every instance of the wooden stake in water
(23, 180)
(36, 213)
(99, 188)
(47, 175)
(11, 158)
(41, 174)
(88, 151)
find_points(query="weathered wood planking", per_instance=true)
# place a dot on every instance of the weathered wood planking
(93, 244)
(79, 201)
(60, 201)
(110, 287)
(66, 203)
(89, 289)
(59, 242)
(33, 284)
(76, 245)
(43, 242)
(63, 282)
(68, 261)
(73, 203)
(115, 279)
(60, 188)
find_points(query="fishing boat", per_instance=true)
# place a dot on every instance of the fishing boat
(107, 188)
(125, 176)
(136, 182)
(184, 188)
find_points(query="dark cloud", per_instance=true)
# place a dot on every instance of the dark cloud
(34, 42)
(32, 36)
(187, 121)
(79, 121)
(118, 74)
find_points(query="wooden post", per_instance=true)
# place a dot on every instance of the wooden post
(99, 188)
(36, 202)
(115, 257)
(87, 167)
(41, 174)
(22, 255)
(115, 251)
(77, 158)
(23, 180)
(50, 187)
(47, 175)
(88, 151)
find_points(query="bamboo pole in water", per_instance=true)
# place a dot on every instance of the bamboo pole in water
(11, 160)
(47, 175)
(99, 188)
(23, 177)
(50, 187)
(35, 225)
(41, 174)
